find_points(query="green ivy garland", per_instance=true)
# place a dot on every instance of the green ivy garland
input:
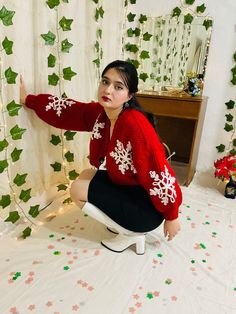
(230, 117)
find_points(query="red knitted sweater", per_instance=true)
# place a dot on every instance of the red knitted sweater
(134, 155)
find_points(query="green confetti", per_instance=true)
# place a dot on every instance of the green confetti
(204, 261)
(66, 267)
(207, 223)
(234, 289)
(159, 254)
(192, 261)
(202, 246)
(149, 295)
(188, 206)
(63, 238)
(214, 233)
(168, 281)
(17, 274)
(51, 235)
(188, 218)
(57, 253)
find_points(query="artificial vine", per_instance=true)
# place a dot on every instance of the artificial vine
(98, 16)
(8, 141)
(60, 46)
(230, 123)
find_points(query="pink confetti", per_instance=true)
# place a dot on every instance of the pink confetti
(10, 281)
(197, 246)
(75, 308)
(132, 310)
(49, 304)
(31, 273)
(50, 247)
(97, 252)
(193, 225)
(13, 310)
(31, 307)
(70, 262)
(156, 293)
(136, 296)
(74, 240)
(68, 253)
(90, 288)
(139, 304)
(174, 298)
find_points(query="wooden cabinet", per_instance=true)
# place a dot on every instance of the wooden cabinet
(180, 120)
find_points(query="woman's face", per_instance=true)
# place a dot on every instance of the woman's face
(112, 92)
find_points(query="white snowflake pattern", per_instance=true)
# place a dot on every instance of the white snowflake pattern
(96, 133)
(123, 157)
(164, 186)
(58, 103)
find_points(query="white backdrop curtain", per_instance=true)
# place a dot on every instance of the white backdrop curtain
(31, 19)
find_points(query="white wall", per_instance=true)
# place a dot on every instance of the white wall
(218, 75)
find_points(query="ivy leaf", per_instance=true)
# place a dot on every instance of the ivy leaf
(68, 74)
(69, 156)
(51, 61)
(20, 179)
(147, 36)
(220, 148)
(73, 175)
(26, 232)
(5, 201)
(65, 24)
(131, 17)
(67, 201)
(230, 104)
(99, 33)
(17, 132)
(233, 81)
(234, 56)
(15, 155)
(53, 79)
(97, 62)
(176, 11)
(56, 166)
(229, 117)
(69, 135)
(65, 1)
(137, 31)
(7, 46)
(49, 38)
(144, 54)
(55, 140)
(234, 142)
(13, 108)
(53, 3)
(25, 195)
(95, 1)
(228, 127)
(6, 16)
(34, 211)
(133, 1)
(10, 76)
(134, 62)
(143, 76)
(99, 13)
(66, 45)
(188, 18)
(131, 47)
(97, 46)
(233, 152)
(201, 8)
(3, 144)
(189, 1)
(142, 19)
(13, 217)
(130, 32)
(207, 23)
(61, 187)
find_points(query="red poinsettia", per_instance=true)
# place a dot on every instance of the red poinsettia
(225, 167)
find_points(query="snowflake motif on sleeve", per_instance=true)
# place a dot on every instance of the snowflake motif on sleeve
(163, 186)
(58, 103)
(95, 133)
(123, 157)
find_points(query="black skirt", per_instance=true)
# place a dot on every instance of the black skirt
(128, 205)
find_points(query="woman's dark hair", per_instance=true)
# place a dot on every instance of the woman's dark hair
(129, 75)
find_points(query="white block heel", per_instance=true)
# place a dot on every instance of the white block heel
(122, 242)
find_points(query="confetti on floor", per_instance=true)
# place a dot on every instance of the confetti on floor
(63, 269)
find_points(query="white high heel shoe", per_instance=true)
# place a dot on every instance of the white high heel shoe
(124, 239)
(122, 242)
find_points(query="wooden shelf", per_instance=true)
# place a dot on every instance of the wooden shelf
(180, 120)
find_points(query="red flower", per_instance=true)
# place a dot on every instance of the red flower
(225, 167)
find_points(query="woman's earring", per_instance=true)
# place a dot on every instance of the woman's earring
(126, 105)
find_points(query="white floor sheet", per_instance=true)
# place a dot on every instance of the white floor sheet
(63, 269)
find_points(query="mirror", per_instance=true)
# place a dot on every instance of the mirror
(171, 49)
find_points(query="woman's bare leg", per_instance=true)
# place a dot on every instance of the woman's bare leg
(79, 188)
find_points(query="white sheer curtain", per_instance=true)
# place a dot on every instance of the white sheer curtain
(31, 19)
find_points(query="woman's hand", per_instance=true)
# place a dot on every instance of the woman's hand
(23, 93)
(171, 228)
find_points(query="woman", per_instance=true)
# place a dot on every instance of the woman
(132, 188)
